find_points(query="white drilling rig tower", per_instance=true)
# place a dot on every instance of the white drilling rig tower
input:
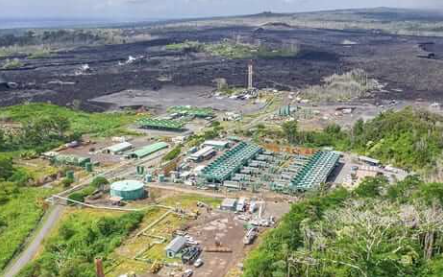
(250, 74)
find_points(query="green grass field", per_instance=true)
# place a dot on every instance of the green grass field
(20, 216)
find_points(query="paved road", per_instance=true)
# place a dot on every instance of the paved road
(31, 250)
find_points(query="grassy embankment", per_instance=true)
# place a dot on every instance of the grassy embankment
(20, 212)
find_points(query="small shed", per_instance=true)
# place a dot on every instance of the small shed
(175, 246)
(228, 204)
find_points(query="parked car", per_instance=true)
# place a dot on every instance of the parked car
(188, 273)
(198, 263)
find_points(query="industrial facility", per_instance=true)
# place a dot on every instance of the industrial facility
(230, 162)
(72, 160)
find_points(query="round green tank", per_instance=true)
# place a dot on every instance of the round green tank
(128, 189)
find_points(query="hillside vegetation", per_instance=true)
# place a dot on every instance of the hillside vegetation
(378, 230)
(79, 240)
(409, 138)
(41, 127)
(21, 208)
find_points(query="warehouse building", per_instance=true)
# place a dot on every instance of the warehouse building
(203, 154)
(175, 246)
(161, 124)
(71, 160)
(128, 190)
(217, 144)
(148, 150)
(193, 111)
(118, 149)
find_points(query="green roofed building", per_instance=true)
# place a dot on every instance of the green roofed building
(71, 160)
(160, 124)
(193, 111)
(148, 150)
(315, 171)
(225, 166)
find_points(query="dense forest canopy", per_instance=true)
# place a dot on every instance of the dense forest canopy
(377, 230)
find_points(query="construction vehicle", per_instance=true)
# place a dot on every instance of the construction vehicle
(191, 254)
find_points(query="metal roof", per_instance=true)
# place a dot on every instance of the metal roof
(119, 147)
(150, 149)
(127, 185)
(217, 143)
(176, 244)
(202, 152)
(316, 170)
(368, 159)
(160, 123)
(229, 202)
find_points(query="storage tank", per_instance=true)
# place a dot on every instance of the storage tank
(128, 189)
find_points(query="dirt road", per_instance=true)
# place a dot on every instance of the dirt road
(26, 256)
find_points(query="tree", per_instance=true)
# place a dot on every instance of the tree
(6, 168)
(99, 182)
(371, 187)
(290, 129)
(67, 182)
(2, 140)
